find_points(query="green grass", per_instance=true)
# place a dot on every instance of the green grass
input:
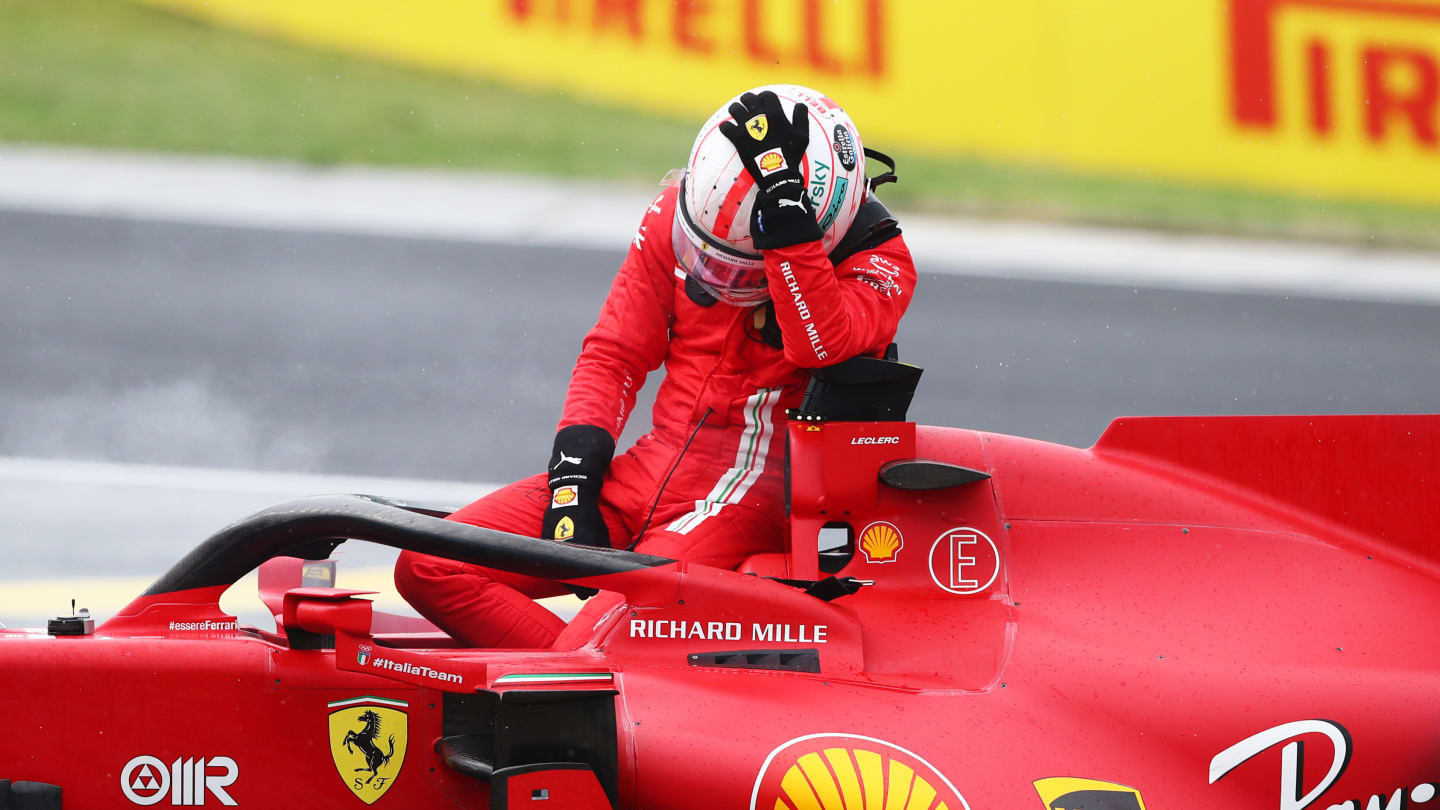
(986, 189)
(107, 74)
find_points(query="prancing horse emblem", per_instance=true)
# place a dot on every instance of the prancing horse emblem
(758, 127)
(364, 739)
(367, 741)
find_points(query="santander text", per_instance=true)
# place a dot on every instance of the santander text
(1292, 765)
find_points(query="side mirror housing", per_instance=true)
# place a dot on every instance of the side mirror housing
(327, 611)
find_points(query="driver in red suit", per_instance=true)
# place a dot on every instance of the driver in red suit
(769, 257)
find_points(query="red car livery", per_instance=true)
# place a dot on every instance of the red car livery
(1196, 612)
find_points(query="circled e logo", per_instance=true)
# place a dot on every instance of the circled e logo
(964, 561)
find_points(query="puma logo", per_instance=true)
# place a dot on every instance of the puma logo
(564, 458)
(795, 203)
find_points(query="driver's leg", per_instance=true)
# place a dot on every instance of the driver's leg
(478, 606)
(483, 607)
(723, 539)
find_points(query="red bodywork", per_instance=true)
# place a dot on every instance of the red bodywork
(1195, 612)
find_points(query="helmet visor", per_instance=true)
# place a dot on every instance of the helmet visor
(728, 274)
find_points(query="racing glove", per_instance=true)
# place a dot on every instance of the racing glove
(577, 469)
(772, 146)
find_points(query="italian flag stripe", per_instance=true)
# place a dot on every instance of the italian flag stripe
(749, 463)
(554, 677)
(399, 704)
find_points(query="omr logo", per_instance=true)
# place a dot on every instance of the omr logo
(1394, 82)
(850, 772)
(145, 780)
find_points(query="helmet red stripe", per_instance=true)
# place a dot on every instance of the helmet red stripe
(731, 205)
(703, 205)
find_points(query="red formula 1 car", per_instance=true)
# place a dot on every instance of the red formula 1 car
(1194, 613)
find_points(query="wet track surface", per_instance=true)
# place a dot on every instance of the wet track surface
(180, 344)
(154, 343)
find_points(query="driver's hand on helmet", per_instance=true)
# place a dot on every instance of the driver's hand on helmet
(772, 146)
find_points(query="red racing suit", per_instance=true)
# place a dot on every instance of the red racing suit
(722, 402)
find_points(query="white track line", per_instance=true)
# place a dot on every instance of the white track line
(27, 602)
(496, 208)
(207, 479)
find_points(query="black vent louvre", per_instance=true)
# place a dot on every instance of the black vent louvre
(785, 660)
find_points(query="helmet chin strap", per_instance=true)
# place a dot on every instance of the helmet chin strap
(884, 177)
(874, 225)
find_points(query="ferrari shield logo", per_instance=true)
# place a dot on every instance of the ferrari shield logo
(1071, 793)
(367, 742)
(758, 127)
(565, 529)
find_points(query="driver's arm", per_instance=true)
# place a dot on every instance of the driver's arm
(828, 315)
(631, 337)
(629, 340)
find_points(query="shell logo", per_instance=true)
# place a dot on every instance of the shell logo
(771, 161)
(836, 771)
(564, 496)
(880, 542)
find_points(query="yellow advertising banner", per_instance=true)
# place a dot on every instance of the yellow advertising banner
(1329, 97)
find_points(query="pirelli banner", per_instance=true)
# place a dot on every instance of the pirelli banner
(1329, 97)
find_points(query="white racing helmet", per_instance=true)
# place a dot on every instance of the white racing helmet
(712, 216)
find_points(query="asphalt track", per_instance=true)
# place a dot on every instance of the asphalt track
(200, 346)
(224, 347)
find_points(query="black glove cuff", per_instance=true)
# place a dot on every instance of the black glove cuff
(777, 225)
(581, 455)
